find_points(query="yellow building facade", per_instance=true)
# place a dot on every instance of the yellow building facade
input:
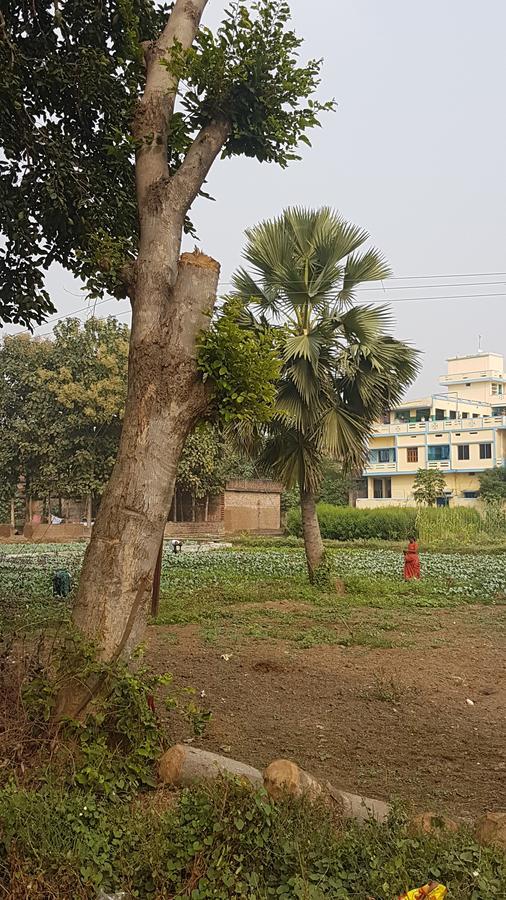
(461, 432)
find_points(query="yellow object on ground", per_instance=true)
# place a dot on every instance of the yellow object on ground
(431, 891)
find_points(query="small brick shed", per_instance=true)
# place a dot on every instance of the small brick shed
(251, 505)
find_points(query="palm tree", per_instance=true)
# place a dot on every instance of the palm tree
(340, 368)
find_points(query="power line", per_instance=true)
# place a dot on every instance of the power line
(361, 288)
(95, 318)
(425, 287)
(81, 309)
(398, 300)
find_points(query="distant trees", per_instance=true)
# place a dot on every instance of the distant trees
(429, 484)
(61, 407)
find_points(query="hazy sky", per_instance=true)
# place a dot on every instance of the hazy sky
(415, 153)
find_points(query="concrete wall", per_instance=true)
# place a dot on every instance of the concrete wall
(402, 490)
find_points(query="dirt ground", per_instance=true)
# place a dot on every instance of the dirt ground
(389, 722)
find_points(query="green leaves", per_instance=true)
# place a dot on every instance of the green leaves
(201, 470)
(242, 364)
(339, 366)
(61, 406)
(70, 80)
(248, 74)
(429, 484)
(493, 486)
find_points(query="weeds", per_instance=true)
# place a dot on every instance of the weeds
(223, 840)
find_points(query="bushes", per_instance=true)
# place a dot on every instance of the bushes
(222, 840)
(433, 526)
(345, 523)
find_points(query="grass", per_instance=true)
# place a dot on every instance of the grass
(60, 840)
(264, 595)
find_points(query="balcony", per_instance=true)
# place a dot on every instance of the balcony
(380, 468)
(441, 425)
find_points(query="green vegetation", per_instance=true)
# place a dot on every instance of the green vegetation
(224, 592)
(61, 406)
(493, 486)
(345, 523)
(429, 485)
(90, 819)
(340, 366)
(442, 528)
(224, 841)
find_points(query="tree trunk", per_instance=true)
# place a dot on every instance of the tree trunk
(165, 399)
(206, 509)
(89, 510)
(313, 544)
(155, 597)
(172, 302)
(13, 513)
(193, 508)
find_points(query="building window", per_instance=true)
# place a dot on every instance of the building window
(413, 454)
(453, 414)
(485, 451)
(471, 495)
(465, 415)
(476, 415)
(440, 415)
(497, 389)
(439, 452)
(382, 488)
(463, 451)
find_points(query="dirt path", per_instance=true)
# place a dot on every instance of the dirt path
(385, 722)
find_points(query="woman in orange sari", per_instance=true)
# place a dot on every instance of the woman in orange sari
(411, 561)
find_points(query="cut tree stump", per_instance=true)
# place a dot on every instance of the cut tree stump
(181, 765)
(284, 777)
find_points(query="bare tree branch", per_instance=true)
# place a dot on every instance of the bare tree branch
(192, 173)
(151, 123)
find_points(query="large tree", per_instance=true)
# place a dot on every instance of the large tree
(99, 172)
(340, 367)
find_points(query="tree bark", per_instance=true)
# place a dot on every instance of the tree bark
(313, 544)
(13, 513)
(165, 399)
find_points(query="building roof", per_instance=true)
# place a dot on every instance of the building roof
(433, 398)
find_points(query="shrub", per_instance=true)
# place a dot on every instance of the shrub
(345, 523)
(223, 840)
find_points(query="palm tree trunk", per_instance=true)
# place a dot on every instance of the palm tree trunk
(313, 544)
